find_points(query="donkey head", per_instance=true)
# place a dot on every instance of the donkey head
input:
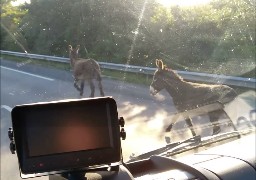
(73, 54)
(164, 78)
(158, 82)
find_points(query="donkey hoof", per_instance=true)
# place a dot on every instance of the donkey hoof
(216, 130)
(167, 140)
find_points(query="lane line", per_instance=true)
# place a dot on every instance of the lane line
(42, 77)
(8, 108)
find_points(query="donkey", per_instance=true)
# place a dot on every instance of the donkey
(84, 69)
(189, 95)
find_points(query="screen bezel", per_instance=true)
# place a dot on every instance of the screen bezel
(68, 160)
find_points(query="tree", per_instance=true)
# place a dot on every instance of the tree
(11, 30)
(236, 18)
(134, 32)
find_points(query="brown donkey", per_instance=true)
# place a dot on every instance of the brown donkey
(84, 69)
(190, 96)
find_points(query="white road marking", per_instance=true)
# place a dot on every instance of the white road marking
(42, 77)
(8, 108)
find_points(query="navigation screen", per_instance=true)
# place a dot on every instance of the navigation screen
(66, 135)
(53, 131)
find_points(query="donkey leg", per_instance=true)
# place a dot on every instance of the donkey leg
(100, 85)
(76, 86)
(190, 125)
(169, 128)
(92, 88)
(214, 116)
(101, 89)
(82, 88)
(174, 119)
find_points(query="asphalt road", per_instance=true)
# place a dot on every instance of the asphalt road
(29, 84)
(145, 115)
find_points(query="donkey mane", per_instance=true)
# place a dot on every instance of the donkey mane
(173, 73)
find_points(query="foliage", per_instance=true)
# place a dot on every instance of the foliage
(11, 30)
(134, 32)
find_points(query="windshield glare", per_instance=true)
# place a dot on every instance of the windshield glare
(176, 69)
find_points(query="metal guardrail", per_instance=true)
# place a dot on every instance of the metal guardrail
(36, 56)
(192, 76)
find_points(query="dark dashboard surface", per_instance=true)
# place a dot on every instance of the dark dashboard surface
(225, 161)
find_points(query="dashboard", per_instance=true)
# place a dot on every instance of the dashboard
(233, 160)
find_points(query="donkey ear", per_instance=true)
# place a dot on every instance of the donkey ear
(160, 64)
(77, 47)
(157, 63)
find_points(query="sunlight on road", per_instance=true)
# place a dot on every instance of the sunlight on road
(144, 129)
(160, 97)
(132, 109)
(157, 121)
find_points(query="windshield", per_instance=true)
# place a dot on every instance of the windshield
(176, 69)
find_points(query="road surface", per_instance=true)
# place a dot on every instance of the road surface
(145, 115)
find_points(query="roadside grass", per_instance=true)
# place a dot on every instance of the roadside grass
(22, 61)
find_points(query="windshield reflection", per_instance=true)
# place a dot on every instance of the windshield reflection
(176, 70)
